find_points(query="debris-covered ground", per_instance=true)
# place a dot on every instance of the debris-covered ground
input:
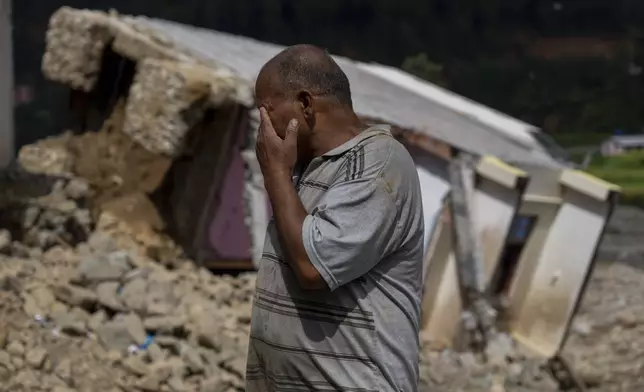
(90, 301)
(99, 315)
(94, 297)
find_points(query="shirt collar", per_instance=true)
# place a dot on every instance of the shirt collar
(373, 130)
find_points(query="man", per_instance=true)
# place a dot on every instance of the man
(338, 290)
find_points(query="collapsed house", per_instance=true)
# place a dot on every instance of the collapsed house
(171, 108)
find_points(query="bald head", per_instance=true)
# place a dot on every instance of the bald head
(307, 68)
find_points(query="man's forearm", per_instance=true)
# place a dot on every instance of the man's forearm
(289, 214)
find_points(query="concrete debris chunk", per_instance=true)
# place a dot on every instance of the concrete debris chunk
(176, 384)
(5, 241)
(16, 348)
(168, 325)
(75, 296)
(218, 383)
(5, 360)
(63, 370)
(60, 388)
(97, 319)
(133, 295)
(101, 268)
(18, 362)
(158, 375)
(36, 357)
(107, 296)
(75, 44)
(155, 353)
(77, 188)
(192, 358)
(135, 365)
(115, 335)
(135, 328)
(73, 322)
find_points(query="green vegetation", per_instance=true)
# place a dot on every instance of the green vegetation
(481, 49)
(420, 66)
(626, 171)
(580, 139)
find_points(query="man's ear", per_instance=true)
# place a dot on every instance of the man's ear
(305, 99)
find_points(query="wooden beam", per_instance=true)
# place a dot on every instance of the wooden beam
(228, 265)
(478, 317)
(461, 172)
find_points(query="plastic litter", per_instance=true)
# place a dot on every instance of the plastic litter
(148, 341)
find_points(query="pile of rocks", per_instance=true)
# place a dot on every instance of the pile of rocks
(102, 305)
(90, 301)
(447, 370)
(36, 224)
(129, 322)
(605, 347)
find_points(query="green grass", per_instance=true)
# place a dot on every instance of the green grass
(627, 171)
(577, 139)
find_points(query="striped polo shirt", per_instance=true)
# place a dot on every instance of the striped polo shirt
(364, 235)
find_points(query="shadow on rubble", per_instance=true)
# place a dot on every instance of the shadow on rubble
(37, 210)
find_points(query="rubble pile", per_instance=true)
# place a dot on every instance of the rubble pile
(94, 296)
(96, 299)
(606, 344)
(87, 305)
(447, 370)
(99, 311)
(102, 316)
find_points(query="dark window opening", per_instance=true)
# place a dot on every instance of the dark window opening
(88, 111)
(520, 231)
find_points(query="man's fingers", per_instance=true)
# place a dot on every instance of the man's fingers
(292, 127)
(263, 114)
(290, 139)
(266, 123)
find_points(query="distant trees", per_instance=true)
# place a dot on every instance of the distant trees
(475, 47)
(420, 65)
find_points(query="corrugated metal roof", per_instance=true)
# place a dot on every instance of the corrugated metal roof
(499, 121)
(373, 95)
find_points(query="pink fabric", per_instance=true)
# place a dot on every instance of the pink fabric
(227, 233)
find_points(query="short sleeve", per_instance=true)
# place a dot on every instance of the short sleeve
(351, 230)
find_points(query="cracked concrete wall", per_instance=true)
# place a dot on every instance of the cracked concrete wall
(170, 93)
(167, 99)
(171, 90)
(76, 41)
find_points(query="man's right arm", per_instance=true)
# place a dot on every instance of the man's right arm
(353, 229)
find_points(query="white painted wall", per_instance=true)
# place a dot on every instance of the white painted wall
(433, 189)
(494, 206)
(553, 276)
